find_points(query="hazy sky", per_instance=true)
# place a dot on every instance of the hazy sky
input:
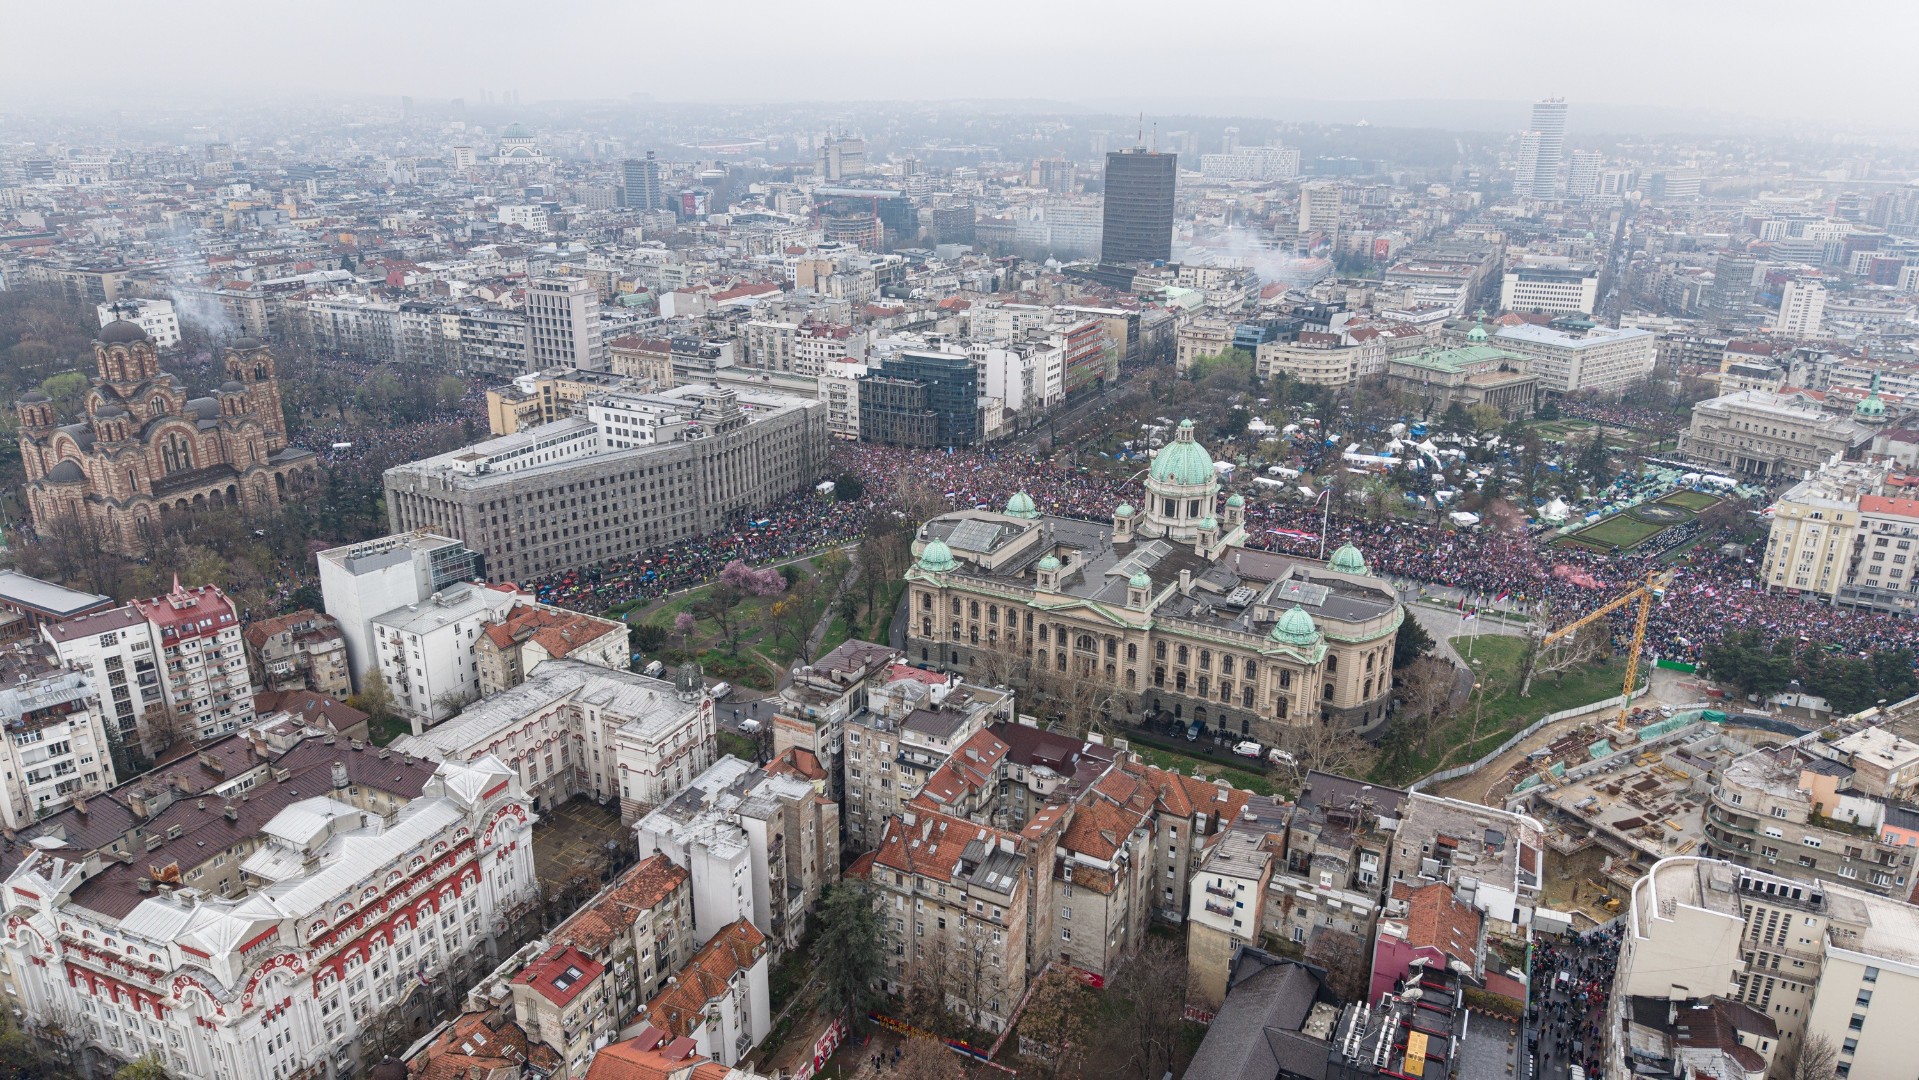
(1842, 60)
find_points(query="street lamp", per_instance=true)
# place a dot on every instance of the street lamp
(1479, 706)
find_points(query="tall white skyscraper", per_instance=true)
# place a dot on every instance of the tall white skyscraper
(1802, 308)
(1541, 148)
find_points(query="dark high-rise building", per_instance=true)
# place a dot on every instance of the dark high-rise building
(640, 184)
(1138, 224)
(921, 399)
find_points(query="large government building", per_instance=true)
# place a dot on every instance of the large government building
(626, 474)
(1164, 605)
(145, 452)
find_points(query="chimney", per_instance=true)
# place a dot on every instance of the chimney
(339, 775)
(232, 812)
(1186, 583)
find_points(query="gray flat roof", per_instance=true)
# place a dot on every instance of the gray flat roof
(55, 600)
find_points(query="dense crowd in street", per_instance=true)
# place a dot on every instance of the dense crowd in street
(1573, 979)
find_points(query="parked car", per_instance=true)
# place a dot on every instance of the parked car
(1193, 730)
(750, 726)
(719, 690)
(1281, 757)
(1247, 749)
(654, 670)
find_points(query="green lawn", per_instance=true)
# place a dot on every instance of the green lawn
(1499, 709)
(763, 653)
(1618, 530)
(1695, 501)
(1163, 756)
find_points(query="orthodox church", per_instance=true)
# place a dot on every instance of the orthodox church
(146, 452)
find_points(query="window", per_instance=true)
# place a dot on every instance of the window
(1871, 975)
(1778, 811)
(1865, 998)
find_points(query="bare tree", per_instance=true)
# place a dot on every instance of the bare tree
(926, 988)
(1343, 955)
(1324, 746)
(1426, 690)
(929, 1059)
(1813, 1058)
(1053, 1030)
(1142, 1039)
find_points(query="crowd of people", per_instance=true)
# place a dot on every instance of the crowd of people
(1563, 1023)
(1500, 569)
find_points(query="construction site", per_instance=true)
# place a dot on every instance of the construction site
(1611, 812)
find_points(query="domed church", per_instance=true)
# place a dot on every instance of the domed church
(146, 452)
(1161, 610)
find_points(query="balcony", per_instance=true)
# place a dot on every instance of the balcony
(1220, 909)
(1218, 890)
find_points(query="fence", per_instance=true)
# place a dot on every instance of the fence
(1522, 735)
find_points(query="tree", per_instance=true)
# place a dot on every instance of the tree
(928, 981)
(1425, 690)
(792, 617)
(646, 637)
(1140, 1036)
(66, 389)
(683, 625)
(1812, 1058)
(847, 488)
(374, 699)
(1053, 1029)
(721, 606)
(147, 1067)
(1750, 662)
(768, 582)
(929, 1059)
(1411, 642)
(848, 950)
(1327, 747)
(1343, 955)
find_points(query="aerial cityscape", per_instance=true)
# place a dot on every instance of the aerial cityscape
(534, 548)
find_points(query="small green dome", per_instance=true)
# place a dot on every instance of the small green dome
(1295, 628)
(1872, 406)
(1125, 510)
(1048, 564)
(1141, 581)
(1021, 505)
(1348, 560)
(1207, 524)
(1477, 335)
(1235, 501)
(1184, 461)
(937, 557)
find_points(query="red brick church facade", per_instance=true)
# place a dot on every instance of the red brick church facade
(146, 452)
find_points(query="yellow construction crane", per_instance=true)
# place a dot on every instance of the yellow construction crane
(1653, 589)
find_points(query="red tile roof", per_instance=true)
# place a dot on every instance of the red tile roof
(643, 887)
(681, 1008)
(558, 632)
(1436, 919)
(560, 974)
(1882, 504)
(932, 844)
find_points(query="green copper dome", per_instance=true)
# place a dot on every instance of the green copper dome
(1021, 505)
(1235, 500)
(1348, 560)
(1477, 335)
(1295, 628)
(1125, 510)
(1184, 461)
(1047, 565)
(937, 557)
(1207, 524)
(1873, 406)
(1141, 581)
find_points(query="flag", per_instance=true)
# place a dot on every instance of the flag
(1470, 615)
(1501, 598)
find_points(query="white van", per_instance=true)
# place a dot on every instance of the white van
(719, 691)
(654, 670)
